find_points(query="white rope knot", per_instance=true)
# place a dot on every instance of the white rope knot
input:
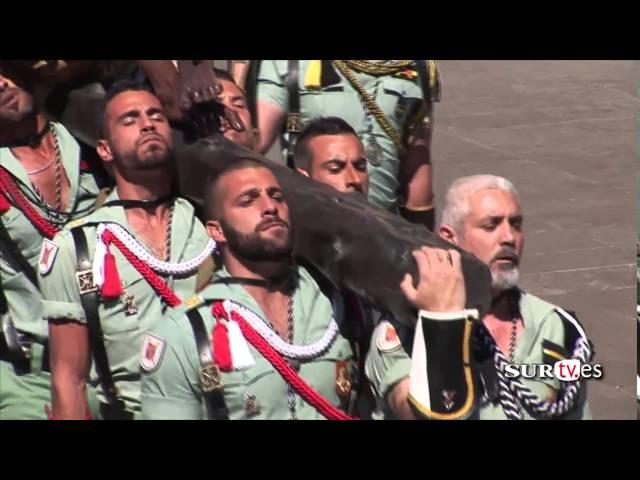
(298, 352)
(142, 253)
(99, 257)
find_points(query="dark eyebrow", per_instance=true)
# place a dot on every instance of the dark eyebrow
(251, 191)
(335, 160)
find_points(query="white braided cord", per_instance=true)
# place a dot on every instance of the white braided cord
(298, 352)
(168, 268)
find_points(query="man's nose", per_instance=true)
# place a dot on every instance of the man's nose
(269, 206)
(352, 178)
(507, 234)
(146, 124)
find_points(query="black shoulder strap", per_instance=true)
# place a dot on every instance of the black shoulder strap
(4, 304)
(293, 116)
(89, 299)
(11, 252)
(211, 383)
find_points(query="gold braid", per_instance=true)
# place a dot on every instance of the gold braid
(371, 105)
(373, 68)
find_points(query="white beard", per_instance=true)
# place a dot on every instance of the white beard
(505, 279)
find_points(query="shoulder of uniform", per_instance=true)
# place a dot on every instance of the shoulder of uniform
(536, 303)
(185, 202)
(538, 311)
(61, 128)
(545, 314)
(177, 324)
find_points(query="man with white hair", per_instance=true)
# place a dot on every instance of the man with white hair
(482, 215)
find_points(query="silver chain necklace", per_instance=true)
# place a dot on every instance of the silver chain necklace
(168, 246)
(291, 394)
(54, 213)
(514, 311)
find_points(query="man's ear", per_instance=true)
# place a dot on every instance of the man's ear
(447, 233)
(214, 229)
(104, 150)
(303, 172)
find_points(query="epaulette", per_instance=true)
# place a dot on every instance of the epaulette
(75, 223)
(193, 302)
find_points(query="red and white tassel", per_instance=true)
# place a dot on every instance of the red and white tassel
(112, 286)
(230, 349)
(240, 353)
(105, 270)
(221, 347)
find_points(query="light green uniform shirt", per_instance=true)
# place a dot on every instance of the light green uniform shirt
(123, 333)
(395, 97)
(171, 389)
(385, 369)
(24, 299)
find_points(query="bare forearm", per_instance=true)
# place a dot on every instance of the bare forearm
(417, 180)
(416, 169)
(398, 400)
(70, 363)
(420, 188)
(69, 396)
(163, 75)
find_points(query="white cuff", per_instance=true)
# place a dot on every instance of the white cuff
(473, 313)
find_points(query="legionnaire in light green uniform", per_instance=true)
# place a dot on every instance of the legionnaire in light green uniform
(142, 257)
(24, 365)
(124, 321)
(189, 376)
(171, 388)
(413, 375)
(388, 103)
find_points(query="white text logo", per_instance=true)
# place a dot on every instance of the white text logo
(563, 370)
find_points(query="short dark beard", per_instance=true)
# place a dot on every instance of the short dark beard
(134, 162)
(253, 248)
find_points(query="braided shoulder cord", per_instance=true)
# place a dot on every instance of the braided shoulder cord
(513, 392)
(371, 105)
